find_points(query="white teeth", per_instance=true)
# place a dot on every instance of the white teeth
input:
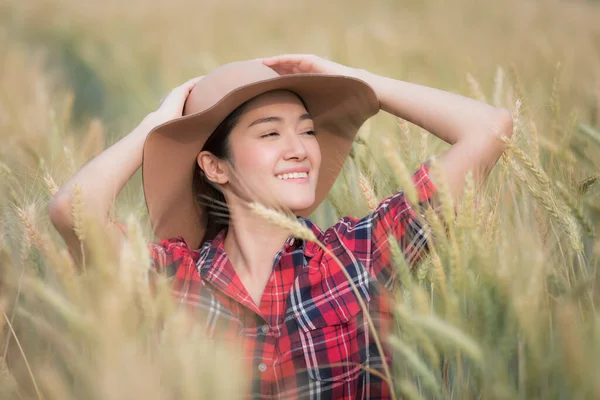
(293, 175)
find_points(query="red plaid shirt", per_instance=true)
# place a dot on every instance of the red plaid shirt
(308, 338)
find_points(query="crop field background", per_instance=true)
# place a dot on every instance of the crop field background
(504, 306)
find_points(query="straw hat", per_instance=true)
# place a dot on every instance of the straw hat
(339, 105)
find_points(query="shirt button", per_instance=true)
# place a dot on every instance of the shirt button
(264, 328)
(262, 367)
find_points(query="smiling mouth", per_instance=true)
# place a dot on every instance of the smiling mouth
(293, 177)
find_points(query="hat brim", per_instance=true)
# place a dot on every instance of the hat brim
(339, 105)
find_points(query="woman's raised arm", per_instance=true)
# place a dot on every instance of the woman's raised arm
(470, 126)
(103, 178)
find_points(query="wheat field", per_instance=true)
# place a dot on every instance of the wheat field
(504, 306)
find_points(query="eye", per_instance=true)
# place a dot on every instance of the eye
(270, 134)
(311, 133)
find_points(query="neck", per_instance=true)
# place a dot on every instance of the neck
(251, 244)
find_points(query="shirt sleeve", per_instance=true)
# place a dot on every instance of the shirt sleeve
(394, 217)
(173, 259)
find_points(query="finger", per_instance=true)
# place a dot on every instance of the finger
(285, 59)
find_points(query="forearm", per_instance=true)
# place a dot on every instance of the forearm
(448, 116)
(103, 178)
(470, 126)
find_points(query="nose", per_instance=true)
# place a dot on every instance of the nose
(294, 147)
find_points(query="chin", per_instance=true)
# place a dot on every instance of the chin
(297, 205)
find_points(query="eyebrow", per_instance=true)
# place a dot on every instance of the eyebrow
(277, 119)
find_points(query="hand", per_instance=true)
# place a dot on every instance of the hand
(171, 106)
(307, 64)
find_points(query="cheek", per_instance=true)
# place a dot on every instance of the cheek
(314, 153)
(255, 160)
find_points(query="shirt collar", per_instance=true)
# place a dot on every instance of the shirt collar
(212, 252)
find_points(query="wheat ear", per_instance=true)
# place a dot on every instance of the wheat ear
(78, 215)
(404, 140)
(32, 236)
(576, 208)
(368, 192)
(50, 183)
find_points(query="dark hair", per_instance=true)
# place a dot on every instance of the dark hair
(205, 192)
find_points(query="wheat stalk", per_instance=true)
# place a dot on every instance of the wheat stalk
(555, 101)
(475, 88)
(401, 173)
(416, 364)
(535, 141)
(404, 140)
(35, 386)
(498, 86)
(423, 145)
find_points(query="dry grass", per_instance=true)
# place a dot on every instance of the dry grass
(503, 307)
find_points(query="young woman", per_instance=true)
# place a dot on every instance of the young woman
(277, 131)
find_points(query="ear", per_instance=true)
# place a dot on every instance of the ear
(214, 168)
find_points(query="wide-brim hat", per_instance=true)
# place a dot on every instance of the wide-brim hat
(339, 105)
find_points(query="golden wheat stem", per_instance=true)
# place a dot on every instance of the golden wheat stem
(404, 141)
(498, 86)
(35, 386)
(555, 101)
(535, 141)
(402, 174)
(475, 88)
(423, 146)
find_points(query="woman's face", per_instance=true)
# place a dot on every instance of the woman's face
(275, 153)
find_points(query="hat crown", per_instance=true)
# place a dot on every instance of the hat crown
(224, 80)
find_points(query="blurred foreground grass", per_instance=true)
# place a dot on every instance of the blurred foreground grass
(503, 308)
